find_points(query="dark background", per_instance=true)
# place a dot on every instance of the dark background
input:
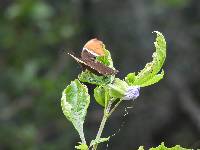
(34, 70)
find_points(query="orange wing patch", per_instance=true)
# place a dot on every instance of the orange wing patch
(95, 46)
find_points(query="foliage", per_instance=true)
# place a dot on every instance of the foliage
(75, 98)
(163, 147)
(106, 58)
(82, 146)
(75, 101)
(149, 75)
(89, 77)
(118, 88)
(101, 95)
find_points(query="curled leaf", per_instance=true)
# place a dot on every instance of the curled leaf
(149, 75)
(153, 80)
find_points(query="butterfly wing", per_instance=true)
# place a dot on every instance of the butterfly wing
(101, 68)
(85, 54)
(95, 66)
(79, 60)
(95, 46)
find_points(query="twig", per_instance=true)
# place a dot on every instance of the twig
(116, 105)
(101, 127)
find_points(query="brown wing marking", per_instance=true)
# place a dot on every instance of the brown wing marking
(87, 55)
(101, 68)
(77, 59)
(95, 66)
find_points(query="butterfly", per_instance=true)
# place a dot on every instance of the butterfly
(91, 50)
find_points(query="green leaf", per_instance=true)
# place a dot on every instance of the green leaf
(101, 95)
(130, 78)
(153, 80)
(149, 75)
(100, 140)
(118, 88)
(163, 147)
(141, 148)
(106, 59)
(89, 77)
(82, 147)
(74, 102)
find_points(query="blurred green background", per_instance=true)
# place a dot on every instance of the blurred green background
(34, 70)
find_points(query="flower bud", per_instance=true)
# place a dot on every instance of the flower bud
(120, 89)
(132, 92)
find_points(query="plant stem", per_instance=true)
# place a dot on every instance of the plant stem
(113, 109)
(105, 117)
(83, 138)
